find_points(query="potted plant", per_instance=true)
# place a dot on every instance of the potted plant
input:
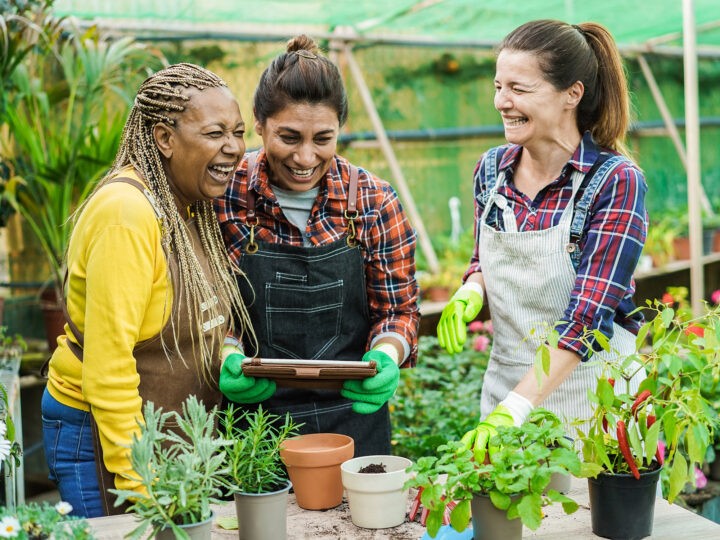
(659, 242)
(180, 461)
(43, 520)
(63, 110)
(255, 472)
(313, 464)
(514, 481)
(376, 490)
(678, 352)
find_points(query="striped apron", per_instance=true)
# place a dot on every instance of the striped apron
(529, 277)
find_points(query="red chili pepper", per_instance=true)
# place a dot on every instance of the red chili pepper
(605, 424)
(611, 381)
(658, 454)
(625, 449)
(638, 400)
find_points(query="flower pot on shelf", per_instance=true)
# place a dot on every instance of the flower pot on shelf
(263, 515)
(681, 245)
(490, 523)
(377, 500)
(622, 507)
(196, 531)
(313, 464)
(53, 317)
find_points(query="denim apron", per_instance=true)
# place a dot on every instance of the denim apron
(529, 277)
(311, 303)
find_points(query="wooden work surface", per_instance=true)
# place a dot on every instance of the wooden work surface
(671, 523)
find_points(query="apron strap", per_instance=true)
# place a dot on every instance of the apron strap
(106, 479)
(601, 169)
(251, 220)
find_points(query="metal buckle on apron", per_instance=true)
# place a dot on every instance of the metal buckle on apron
(252, 246)
(352, 233)
(212, 323)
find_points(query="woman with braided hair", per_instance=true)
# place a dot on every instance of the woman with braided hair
(151, 291)
(329, 252)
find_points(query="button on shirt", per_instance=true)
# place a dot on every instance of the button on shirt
(611, 243)
(387, 239)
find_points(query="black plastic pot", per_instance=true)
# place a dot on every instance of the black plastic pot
(621, 507)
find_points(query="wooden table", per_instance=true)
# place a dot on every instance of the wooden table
(671, 522)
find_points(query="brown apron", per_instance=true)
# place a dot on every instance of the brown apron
(167, 382)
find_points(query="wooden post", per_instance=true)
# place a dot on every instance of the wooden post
(396, 171)
(692, 140)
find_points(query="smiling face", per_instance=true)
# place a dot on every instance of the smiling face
(205, 146)
(300, 143)
(532, 109)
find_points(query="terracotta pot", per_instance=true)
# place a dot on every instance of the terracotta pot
(681, 246)
(262, 516)
(376, 500)
(53, 317)
(313, 463)
(490, 523)
(436, 293)
(196, 531)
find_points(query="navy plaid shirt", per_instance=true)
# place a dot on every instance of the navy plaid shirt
(611, 244)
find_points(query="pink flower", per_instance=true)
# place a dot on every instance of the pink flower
(481, 343)
(700, 479)
(715, 297)
(475, 327)
(489, 327)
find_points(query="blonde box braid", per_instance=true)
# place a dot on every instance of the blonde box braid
(160, 98)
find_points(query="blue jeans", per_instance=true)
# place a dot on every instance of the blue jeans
(67, 437)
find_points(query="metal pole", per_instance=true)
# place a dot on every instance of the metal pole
(692, 140)
(396, 171)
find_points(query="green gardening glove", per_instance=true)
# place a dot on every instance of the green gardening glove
(477, 439)
(462, 308)
(372, 393)
(239, 388)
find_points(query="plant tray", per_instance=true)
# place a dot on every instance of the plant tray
(308, 373)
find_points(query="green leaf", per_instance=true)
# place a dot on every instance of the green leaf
(678, 476)
(669, 422)
(227, 522)
(434, 521)
(606, 393)
(651, 441)
(602, 340)
(666, 316)
(599, 442)
(590, 470)
(530, 510)
(698, 440)
(500, 500)
(460, 516)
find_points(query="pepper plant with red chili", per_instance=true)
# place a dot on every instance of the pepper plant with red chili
(671, 404)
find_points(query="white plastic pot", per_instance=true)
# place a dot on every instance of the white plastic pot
(376, 500)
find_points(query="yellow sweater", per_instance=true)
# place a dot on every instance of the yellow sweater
(118, 294)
